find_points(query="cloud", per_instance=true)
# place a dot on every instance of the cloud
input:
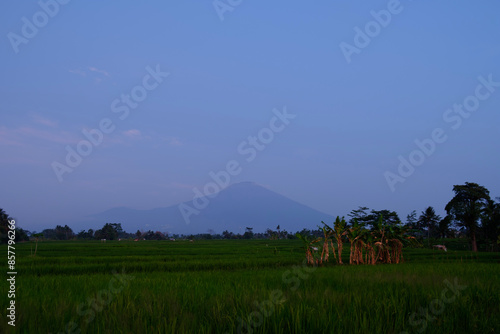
(61, 138)
(94, 69)
(157, 139)
(44, 121)
(7, 138)
(21, 136)
(132, 133)
(173, 141)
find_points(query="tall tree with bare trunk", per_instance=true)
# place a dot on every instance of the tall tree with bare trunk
(466, 207)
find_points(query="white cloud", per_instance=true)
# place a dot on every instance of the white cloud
(173, 141)
(103, 72)
(132, 133)
(22, 135)
(44, 121)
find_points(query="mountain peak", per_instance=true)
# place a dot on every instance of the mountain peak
(242, 204)
(243, 184)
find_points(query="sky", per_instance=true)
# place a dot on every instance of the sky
(334, 104)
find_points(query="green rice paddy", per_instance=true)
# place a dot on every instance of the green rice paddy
(246, 286)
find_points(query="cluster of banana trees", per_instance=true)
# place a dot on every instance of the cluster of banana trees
(383, 243)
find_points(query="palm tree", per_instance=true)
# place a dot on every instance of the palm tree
(429, 219)
(466, 207)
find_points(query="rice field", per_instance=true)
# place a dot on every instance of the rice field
(247, 286)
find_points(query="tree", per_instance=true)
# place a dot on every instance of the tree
(150, 235)
(248, 233)
(4, 226)
(361, 215)
(466, 207)
(389, 239)
(411, 219)
(490, 222)
(354, 235)
(64, 233)
(109, 231)
(21, 235)
(364, 218)
(389, 217)
(86, 235)
(306, 232)
(327, 233)
(227, 235)
(338, 232)
(443, 229)
(37, 237)
(429, 220)
(309, 248)
(412, 224)
(49, 233)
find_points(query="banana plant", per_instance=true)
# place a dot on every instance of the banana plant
(379, 234)
(353, 235)
(327, 234)
(309, 248)
(370, 256)
(360, 243)
(339, 231)
(398, 237)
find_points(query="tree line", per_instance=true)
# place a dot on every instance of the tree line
(471, 213)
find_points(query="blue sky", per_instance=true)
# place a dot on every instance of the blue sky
(353, 119)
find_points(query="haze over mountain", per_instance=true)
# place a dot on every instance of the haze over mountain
(236, 207)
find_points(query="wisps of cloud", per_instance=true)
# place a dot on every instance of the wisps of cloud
(174, 141)
(98, 76)
(152, 137)
(23, 136)
(8, 139)
(44, 121)
(132, 133)
(95, 69)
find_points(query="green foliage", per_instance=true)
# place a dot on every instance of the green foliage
(109, 231)
(429, 221)
(490, 221)
(467, 206)
(4, 226)
(364, 218)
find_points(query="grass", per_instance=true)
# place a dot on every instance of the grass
(258, 286)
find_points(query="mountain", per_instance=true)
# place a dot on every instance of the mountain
(234, 208)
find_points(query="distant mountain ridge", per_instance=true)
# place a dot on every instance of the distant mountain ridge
(240, 205)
